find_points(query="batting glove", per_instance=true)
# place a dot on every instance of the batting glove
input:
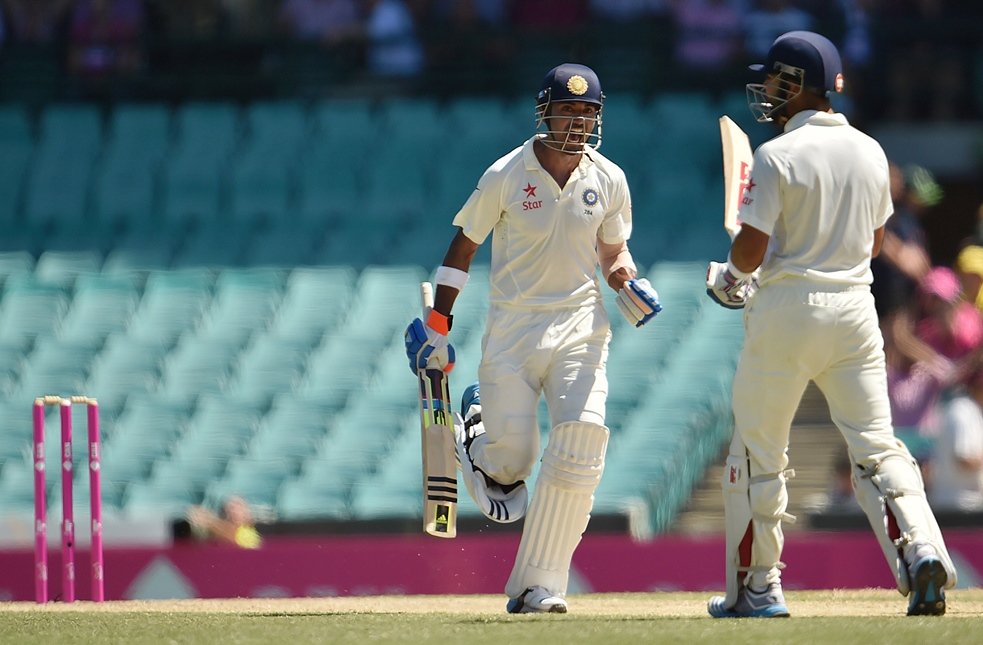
(638, 302)
(427, 346)
(728, 290)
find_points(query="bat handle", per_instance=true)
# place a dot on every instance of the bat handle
(426, 296)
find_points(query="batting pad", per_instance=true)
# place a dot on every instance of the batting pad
(892, 494)
(560, 510)
(753, 510)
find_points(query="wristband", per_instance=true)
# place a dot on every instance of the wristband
(451, 277)
(734, 271)
(439, 322)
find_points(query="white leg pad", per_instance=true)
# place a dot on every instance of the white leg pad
(560, 510)
(892, 494)
(754, 508)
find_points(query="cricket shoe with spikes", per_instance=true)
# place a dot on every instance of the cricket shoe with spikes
(536, 600)
(928, 577)
(503, 503)
(769, 603)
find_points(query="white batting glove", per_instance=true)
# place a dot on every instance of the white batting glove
(638, 301)
(728, 290)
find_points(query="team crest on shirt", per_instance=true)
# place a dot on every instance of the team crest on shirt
(589, 197)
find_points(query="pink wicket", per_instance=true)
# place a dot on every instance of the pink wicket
(68, 514)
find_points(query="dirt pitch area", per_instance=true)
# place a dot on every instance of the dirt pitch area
(845, 603)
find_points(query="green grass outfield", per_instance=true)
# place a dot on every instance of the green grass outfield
(866, 616)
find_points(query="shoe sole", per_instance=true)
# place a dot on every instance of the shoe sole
(928, 597)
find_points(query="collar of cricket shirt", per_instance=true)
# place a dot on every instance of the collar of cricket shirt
(815, 117)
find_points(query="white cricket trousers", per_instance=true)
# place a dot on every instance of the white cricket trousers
(797, 331)
(526, 353)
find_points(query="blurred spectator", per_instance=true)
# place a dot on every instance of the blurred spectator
(467, 39)
(328, 21)
(393, 49)
(904, 257)
(489, 12)
(629, 10)
(914, 391)
(36, 21)
(250, 19)
(940, 332)
(105, 37)
(958, 480)
(840, 496)
(550, 15)
(708, 34)
(769, 19)
(927, 72)
(969, 264)
(187, 20)
(234, 525)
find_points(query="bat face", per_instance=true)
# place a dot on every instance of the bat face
(439, 456)
(737, 157)
(439, 450)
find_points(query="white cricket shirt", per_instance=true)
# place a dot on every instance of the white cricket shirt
(544, 245)
(819, 190)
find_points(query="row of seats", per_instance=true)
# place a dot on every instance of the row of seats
(154, 170)
(290, 387)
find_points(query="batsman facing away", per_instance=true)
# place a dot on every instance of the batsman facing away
(556, 209)
(812, 215)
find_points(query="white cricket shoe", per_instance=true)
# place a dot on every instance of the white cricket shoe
(536, 600)
(769, 603)
(498, 502)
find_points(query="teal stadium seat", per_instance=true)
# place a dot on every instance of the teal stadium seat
(16, 149)
(267, 367)
(125, 366)
(126, 180)
(291, 430)
(263, 170)
(198, 365)
(255, 480)
(102, 304)
(196, 169)
(172, 303)
(315, 301)
(63, 268)
(29, 308)
(58, 184)
(244, 303)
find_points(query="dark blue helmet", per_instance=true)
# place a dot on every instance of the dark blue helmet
(570, 82)
(801, 59)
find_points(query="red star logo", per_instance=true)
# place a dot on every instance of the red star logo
(530, 190)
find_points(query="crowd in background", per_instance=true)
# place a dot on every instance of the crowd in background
(932, 321)
(907, 59)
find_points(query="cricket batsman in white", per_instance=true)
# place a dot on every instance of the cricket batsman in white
(555, 209)
(812, 217)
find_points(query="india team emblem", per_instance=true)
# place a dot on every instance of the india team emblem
(590, 197)
(577, 85)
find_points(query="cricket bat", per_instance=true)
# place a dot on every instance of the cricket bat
(737, 171)
(439, 452)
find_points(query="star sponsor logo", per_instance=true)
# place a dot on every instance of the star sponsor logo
(531, 204)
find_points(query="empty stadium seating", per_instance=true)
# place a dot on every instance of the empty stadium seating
(238, 304)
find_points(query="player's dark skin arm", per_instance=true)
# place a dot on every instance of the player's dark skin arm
(748, 249)
(459, 255)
